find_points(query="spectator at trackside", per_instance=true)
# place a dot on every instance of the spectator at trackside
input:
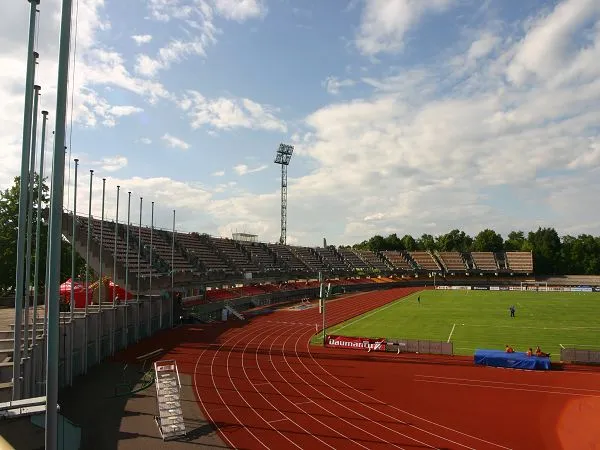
(509, 349)
(539, 352)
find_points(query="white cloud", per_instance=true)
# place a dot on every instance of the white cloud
(334, 84)
(229, 113)
(243, 169)
(384, 23)
(174, 142)
(141, 38)
(547, 48)
(219, 173)
(197, 19)
(241, 10)
(112, 164)
(146, 141)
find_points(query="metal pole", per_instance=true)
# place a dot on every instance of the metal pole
(38, 226)
(31, 182)
(73, 255)
(99, 329)
(21, 234)
(172, 269)
(322, 303)
(151, 274)
(73, 275)
(138, 272)
(114, 278)
(55, 234)
(87, 276)
(126, 326)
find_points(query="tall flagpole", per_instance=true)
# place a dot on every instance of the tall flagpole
(36, 270)
(126, 327)
(36, 100)
(73, 274)
(151, 270)
(101, 277)
(138, 271)
(38, 226)
(55, 232)
(173, 271)
(87, 275)
(21, 234)
(114, 278)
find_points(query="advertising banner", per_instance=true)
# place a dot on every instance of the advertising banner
(481, 288)
(352, 342)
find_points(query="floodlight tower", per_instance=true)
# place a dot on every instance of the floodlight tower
(283, 157)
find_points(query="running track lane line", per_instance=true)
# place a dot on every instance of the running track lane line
(509, 383)
(471, 385)
(332, 415)
(347, 408)
(392, 406)
(204, 406)
(308, 433)
(263, 331)
(368, 416)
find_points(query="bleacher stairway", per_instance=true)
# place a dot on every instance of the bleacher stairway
(233, 311)
(168, 386)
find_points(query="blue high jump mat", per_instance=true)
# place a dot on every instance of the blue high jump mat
(516, 360)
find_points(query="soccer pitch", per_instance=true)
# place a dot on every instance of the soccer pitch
(481, 319)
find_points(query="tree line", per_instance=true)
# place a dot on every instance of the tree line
(553, 254)
(9, 219)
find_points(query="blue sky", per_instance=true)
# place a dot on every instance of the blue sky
(407, 116)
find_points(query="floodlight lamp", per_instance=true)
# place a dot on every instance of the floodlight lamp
(284, 154)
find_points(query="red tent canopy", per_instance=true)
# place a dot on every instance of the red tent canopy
(79, 292)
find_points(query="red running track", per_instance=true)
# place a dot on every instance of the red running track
(264, 387)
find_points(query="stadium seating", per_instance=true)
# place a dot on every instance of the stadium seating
(425, 261)
(353, 261)
(520, 262)
(332, 259)
(259, 253)
(285, 255)
(372, 259)
(108, 239)
(198, 249)
(397, 260)
(452, 261)
(485, 261)
(233, 253)
(161, 248)
(310, 258)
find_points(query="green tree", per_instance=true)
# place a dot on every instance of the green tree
(426, 242)
(409, 243)
(515, 241)
(393, 242)
(488, 241)
(9, 217)
(546, 248)
(454, 241)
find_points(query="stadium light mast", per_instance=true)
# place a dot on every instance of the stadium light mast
(283, 157)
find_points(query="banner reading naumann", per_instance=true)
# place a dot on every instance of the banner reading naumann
(372, 344)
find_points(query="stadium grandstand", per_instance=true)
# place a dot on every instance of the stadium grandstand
(218, 262)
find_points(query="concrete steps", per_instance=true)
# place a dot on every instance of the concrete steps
(5, 392)
(6, 372)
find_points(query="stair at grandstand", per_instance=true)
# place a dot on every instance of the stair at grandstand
(168, 387)
(233, 311)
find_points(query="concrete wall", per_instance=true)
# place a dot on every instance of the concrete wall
(88, 339)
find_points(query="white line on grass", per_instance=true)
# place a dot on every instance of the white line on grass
(449, 337)
(561, 346)
(335, 330)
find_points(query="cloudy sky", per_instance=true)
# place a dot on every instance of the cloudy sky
(407, 116)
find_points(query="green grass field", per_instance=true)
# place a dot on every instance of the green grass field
(481, 319)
